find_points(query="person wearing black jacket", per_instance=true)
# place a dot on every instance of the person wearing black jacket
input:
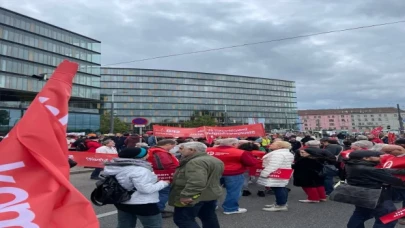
(361, 172)
(308, 174)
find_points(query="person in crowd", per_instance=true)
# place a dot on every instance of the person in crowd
(307, 138)
(395, 151)
(279, 158)
(151, 139)
(308, 175)
(162, 159)
(347, 144)
(236, 162)
(131, 141)
(374, 139)
(400, 142)
(331, 145)
(132, 171)
(196, 188)
(266, 141)
(254, 149)
(295, 145)
(107, 148)
(120, 141)
(361, 172)
(144, 145)
(341, 136)
(92, 143)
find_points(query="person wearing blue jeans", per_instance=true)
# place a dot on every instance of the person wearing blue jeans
(163, 198)
(184, 217)
(233, 186)
(96, 173)
(328, 184)
(127, 219)
(361, 214)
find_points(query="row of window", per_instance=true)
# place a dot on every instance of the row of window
(131, 95)
(31, 40)
(271, 101)
(34, 85)
(28, 69)
(43, 29)
(178, 113)
(205, 104)
(370, 115)
(35, 55)
(192, 81)
(194, 88)
(162, 73)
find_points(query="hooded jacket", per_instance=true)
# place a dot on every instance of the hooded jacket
(136, 176)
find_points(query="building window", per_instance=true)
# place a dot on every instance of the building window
(342, 116)
(372, 115)
(333, 116)
(395, 115)
(379, 119)
(331, 120)
(332, 124)
(365, 115)
(306, 128)
(372, 119)
(353, 124)
(343, 120)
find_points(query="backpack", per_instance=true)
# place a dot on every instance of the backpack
(81, 146)
(109, 191)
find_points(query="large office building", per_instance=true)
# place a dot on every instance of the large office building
(172, 97)
(31, 47)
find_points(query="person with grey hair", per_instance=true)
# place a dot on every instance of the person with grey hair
(140, 145)
(362, 145)
(195, 187)
(361, 137)
(313, 143)
(236, 162)
(108, 147)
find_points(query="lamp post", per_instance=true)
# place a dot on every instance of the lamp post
(112, 112)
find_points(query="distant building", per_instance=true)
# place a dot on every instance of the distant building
(353, 119)
(31, 47)
(169, 97)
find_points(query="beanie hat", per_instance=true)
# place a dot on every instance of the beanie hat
(134, 152)
(359, 154)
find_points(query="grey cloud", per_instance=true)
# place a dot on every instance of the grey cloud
(352, 69)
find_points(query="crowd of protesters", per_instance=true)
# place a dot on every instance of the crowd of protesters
(203, 169)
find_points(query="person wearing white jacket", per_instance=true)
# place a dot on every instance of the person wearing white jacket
(133, 172)
(279, 158)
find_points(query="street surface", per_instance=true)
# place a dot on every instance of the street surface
(322, 215)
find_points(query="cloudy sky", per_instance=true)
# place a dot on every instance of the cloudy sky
(363, 68)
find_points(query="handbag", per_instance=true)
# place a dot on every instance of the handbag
(355, 195)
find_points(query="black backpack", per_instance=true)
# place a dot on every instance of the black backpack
(109, 191)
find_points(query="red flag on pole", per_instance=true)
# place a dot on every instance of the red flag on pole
(376, 131)
(34, 172)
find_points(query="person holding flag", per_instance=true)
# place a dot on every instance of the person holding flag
(38, 145)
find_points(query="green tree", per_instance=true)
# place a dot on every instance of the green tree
(199, 121)
(119, 125)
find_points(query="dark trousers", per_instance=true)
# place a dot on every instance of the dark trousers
(281, 194)
(328, 184)
(184, 217)
(361, 214)
(96, 173)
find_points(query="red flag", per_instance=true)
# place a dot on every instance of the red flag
(376, 131)
(391, 138)
(34, 172)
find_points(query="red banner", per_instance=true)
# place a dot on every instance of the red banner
(393, 216)
(376, 131)
(278, 174)
(252, 130)
(94, 160)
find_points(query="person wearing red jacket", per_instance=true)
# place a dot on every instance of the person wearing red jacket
(394, 159)
(92, 144)
(236, 162)
(162, 159)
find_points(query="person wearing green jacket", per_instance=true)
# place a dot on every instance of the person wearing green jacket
(196, 187)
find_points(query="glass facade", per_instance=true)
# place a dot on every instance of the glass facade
(31, 47)
(172, 97)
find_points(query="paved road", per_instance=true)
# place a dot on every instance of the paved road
(322, 215)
